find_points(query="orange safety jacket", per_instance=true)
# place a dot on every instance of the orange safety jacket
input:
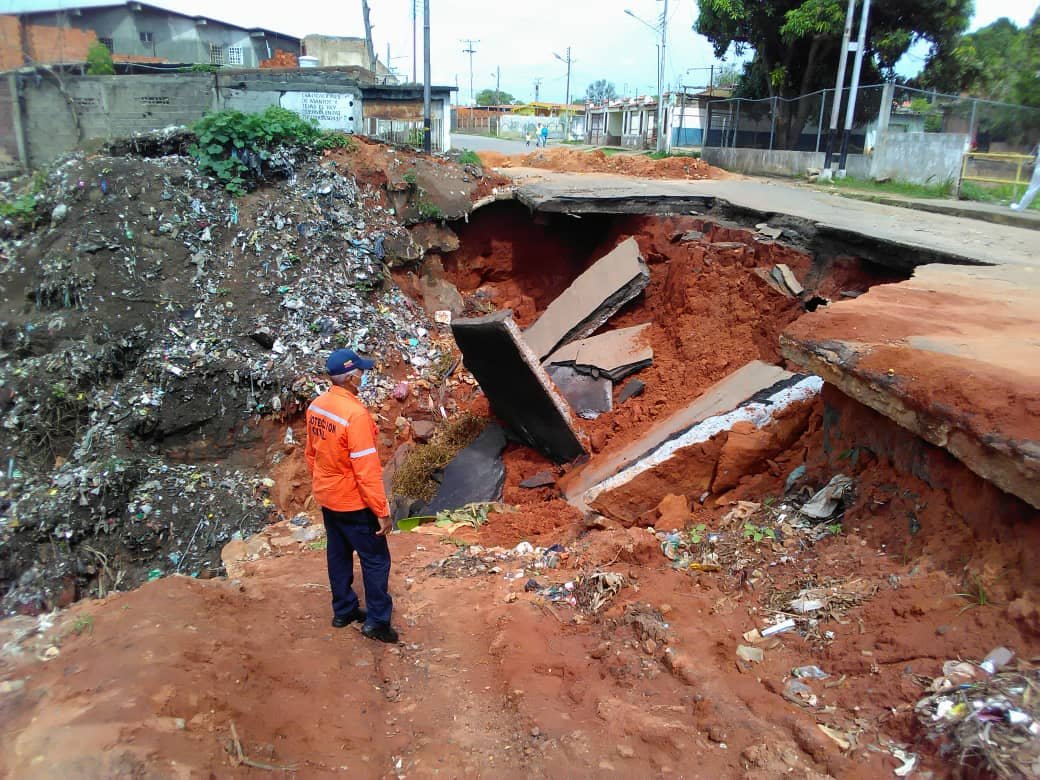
(341, 454)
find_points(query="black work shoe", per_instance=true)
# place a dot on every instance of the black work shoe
(358, 615)
(381, 632)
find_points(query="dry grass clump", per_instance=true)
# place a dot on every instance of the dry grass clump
(414, 477)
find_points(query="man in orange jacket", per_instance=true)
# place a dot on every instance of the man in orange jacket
(347, 482)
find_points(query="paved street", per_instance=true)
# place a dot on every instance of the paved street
(480, 143)
(957, 238)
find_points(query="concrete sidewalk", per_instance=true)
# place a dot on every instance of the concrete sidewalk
(970, 209)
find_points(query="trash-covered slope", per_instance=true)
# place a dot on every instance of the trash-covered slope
(153, 326)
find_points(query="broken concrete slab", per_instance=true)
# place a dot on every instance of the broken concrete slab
(591, 300)
(633, 389)
(687, 462)
(766, 275)
(475, 475)
(614, 354)
(725, 395)
(588, 396)
(951, 355)
(539, 480)
(518, 389)
(787, 278)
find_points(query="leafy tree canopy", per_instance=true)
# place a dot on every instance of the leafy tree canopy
(491, 97)
(796, 43)
(600, 91)
(99, 60)
(999, 62)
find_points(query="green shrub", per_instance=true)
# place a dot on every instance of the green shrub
(99, 60)
(234, 146)
(21, 210)
(469, 157)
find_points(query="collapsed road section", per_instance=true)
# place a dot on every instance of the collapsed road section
(782, 527)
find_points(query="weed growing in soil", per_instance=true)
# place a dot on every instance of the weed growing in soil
(234, 146)
(469, 157)
(757, 533)
(83, 623)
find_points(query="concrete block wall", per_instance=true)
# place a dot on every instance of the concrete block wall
(920, 158)
(60, 113)
(106, 107)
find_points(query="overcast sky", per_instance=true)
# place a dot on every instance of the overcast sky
(521, 37)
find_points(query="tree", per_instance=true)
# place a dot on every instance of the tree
(491, 97)
(796, 44)
(998, 62)
(99, 60)
(600, 91)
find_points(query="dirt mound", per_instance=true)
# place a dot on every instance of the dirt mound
(598, 161)
(153, 323)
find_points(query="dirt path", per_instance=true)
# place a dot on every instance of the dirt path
(489, 680)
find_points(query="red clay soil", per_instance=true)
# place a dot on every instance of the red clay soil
(492, 682)
(380, 164)
(598, 161)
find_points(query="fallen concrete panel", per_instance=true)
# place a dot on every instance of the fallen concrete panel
(589, 396)
(591, 300)
(951, 354)
(614, 354)
(740, 386)
(475, 475)
(686, 464)
(517, 387)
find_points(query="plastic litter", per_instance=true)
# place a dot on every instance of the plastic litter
(778, 628)
(809, 672)
(826, 502)
(997, 659)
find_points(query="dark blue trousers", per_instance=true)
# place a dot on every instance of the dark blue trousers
(350, 532)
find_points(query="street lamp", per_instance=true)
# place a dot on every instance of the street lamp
(661, 28)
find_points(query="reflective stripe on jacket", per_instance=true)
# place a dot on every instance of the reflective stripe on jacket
(341, 454)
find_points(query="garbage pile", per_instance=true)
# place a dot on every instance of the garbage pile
(753, 535)
(151, 321)
(985, 716)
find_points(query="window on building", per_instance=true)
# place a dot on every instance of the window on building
(216, 54)
(234, 55)
(107, 43)
(147, 39)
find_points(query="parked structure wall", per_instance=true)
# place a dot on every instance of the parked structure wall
(60, 112)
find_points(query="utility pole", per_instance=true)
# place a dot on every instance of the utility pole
(498, 81)
(415, 17)
(537, 85)
(470, 51)
(662, 141)
(861, 42)
(369, 48)
(838, 84)
(567, 61)
(427, 124)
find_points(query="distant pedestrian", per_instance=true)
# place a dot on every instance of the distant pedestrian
(538, 135)
(545, 135)
(347, 482)
(527, 138)
(1034, 184)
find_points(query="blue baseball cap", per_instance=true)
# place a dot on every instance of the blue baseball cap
(343, 360)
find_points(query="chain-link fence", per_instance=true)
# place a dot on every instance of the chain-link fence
(801, 124)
